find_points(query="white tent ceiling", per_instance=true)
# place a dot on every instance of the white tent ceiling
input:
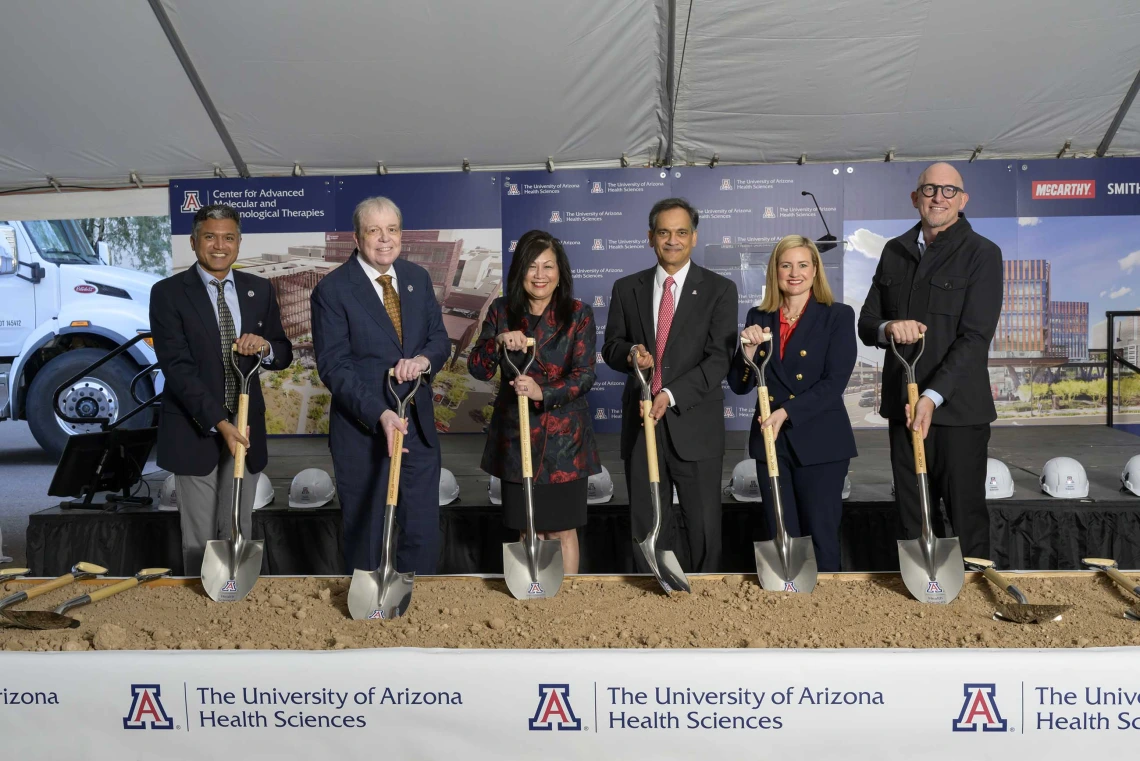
(94, 91)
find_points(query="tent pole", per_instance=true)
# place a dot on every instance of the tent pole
(1119, 118)
(670, 84)
(199, 87)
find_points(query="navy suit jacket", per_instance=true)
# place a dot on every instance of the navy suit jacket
(808, 382)
(356, 345)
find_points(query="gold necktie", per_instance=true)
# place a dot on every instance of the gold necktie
(392, 304)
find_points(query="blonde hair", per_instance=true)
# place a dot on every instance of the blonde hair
(773, 299)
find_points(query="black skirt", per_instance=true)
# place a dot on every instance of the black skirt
(557, 507)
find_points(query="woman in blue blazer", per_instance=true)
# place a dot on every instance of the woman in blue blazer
(813, 340)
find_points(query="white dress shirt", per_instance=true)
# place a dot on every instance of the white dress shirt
(659, 291)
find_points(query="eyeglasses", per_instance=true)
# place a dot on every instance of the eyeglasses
(948, 191)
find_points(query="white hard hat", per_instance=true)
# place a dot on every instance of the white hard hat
(846, 493)
(1065, 478)
(312, 487)
(263, 492)
(745, 486)
(600, 488)
(999, 483)
(495, 491)
(448, 487)
(1130, 478)
(168, 494)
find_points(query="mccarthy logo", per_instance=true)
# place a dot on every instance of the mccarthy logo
(147, 711)
(979, 709)
(554, 710)
(1047, 189)
(190, 201)
(512, 189)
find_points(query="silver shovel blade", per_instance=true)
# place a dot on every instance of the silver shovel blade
(664, 566)
(375, 595)
(548, 570)
(225, 581)
(949, 574)
(802, 572)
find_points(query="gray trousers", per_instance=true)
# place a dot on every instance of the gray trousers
(205, 507)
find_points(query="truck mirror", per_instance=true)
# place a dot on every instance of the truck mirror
(7, 250)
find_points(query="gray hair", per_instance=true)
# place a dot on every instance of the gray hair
(378, 203)
(215, 211)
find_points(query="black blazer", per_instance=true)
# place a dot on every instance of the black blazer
(808, 382)
(955, 289)
(187, 341)
(699, 351)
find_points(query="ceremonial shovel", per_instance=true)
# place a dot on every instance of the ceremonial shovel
(384, 593)
(1020, 612)
(784, 563)
(231, 566)
(1108, 565)
(42, 619)
(143, 576)
(931, 568)
(532, 568)
(663, 563)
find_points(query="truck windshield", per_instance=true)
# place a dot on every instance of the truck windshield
(60, 241)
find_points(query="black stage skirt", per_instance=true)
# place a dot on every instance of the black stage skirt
(557, 507)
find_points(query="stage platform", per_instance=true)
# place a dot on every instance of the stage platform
(1028, 531)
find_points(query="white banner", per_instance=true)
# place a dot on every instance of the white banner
(597, 705)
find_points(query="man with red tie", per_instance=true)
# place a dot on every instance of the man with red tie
(681, 319)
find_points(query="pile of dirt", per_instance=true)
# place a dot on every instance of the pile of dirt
(722, 612)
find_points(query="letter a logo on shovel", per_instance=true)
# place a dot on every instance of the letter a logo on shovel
(790, 586)
(933, 588)
(535, 589)
(376, 614)
(231, 586)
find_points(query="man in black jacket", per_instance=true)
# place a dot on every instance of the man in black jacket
(941, 279)
(196, 316)
(682, 320)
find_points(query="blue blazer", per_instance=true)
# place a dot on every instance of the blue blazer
(808, 382)
(356, 345)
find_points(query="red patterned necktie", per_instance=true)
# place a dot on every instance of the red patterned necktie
(664, 321)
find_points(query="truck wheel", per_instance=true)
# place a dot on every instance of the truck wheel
(104, 393)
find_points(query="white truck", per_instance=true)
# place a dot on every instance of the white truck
(61, 309)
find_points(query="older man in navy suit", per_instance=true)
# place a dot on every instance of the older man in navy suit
(376, 313)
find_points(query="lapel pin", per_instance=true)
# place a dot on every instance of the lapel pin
(694, 293)
(259, 323)
(410, 289)
(250, 293)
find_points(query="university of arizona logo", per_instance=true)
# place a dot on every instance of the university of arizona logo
(600, 414)
(599, 300)
(376, 614)
(726, 184)
(512, 189)
(933, 588)
(728, 412)
(555, 216)
(596, 187)
(511, 249)
(599, 359)
(147, 711)
(993, 483)
(554, 710)
(230, 586)
(726, 240)
(598, 246)
(790, 586)
(190, 201)
(979, 709)
(535, 589)
(769, 212)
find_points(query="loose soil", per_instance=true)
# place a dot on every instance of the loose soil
(589, 612)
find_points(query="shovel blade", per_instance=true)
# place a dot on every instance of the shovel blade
(944, 581)
(801, 574)
(548, 570)
(664, 566)
(37, 619)
(376, 595)
(224, 580)
(1027, 613)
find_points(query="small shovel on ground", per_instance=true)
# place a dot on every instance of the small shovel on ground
(1108, 565)
(384, 593)
(143, 576)
(42, 619)
(784, 563)
(932, 568)
(231, 566)
(1020, 612)
(663, 563)
(533, 567)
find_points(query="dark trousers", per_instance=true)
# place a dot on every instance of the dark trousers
(812, 497)
(956, 470)
(362, 497)
(692, 529)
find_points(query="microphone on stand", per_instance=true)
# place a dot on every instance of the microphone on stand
(829, 241)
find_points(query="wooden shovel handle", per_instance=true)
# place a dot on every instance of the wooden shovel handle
(524, 436)
(650, 440)
(241, 424)
(916, 436)
(49, 586)
(769, 435)
(394, 468)
(104, 592)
